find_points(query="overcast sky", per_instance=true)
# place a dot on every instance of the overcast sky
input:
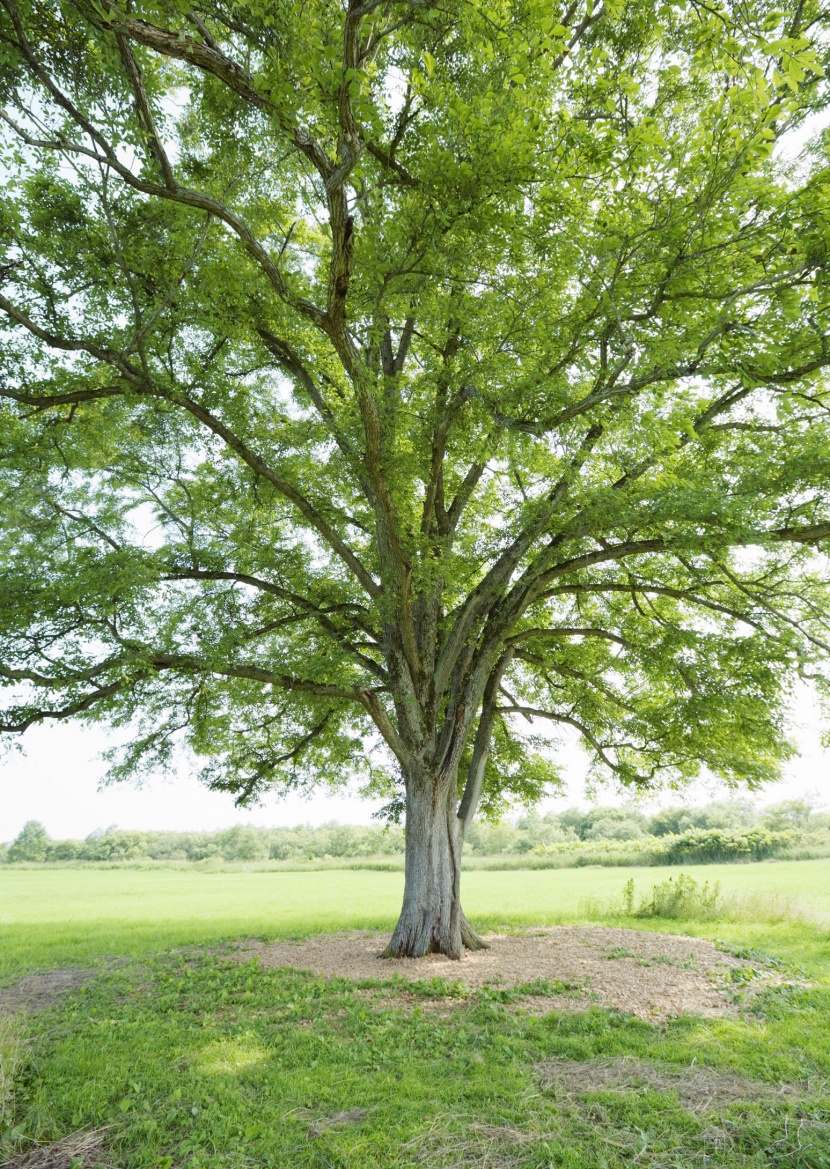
(57, 782)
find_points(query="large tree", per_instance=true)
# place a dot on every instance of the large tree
(384, 382)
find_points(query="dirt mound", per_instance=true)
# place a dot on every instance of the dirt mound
(653, 976)
(38, 991)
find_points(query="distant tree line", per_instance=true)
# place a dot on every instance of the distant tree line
(241, 843)
(727, 829)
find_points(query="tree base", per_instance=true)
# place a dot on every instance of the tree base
(416, 940)
(432, 920)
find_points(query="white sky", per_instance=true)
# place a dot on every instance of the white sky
(57, 781)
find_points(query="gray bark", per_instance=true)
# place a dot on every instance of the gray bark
(431, 919)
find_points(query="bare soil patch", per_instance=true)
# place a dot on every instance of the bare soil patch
(700, 1089)
(649, 975)
(81, 1148)
(35, 992)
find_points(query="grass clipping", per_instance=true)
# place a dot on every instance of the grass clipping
(78, 1149)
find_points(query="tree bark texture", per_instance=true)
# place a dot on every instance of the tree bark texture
(432, 920)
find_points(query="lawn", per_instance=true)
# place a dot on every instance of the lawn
(57, 917)
(191, 1061)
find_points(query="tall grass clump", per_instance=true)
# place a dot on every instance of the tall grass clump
(9, 1060)
(682, 898)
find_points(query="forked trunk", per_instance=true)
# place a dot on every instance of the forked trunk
(432, 920)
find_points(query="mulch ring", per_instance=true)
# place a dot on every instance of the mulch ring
(649, 975)
(35, 992)
(81, 1148)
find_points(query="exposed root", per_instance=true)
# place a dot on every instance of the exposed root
(470, 939)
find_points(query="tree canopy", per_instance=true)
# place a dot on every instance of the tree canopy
(386, 384)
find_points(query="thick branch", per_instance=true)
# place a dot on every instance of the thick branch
(481, 744)
(209, 59)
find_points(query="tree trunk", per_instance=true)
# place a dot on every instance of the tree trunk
(432, 920)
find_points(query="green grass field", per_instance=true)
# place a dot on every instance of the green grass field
(59, 917)
(194, 1062)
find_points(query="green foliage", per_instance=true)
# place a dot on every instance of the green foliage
(32, 843)
(238, 844)
(714, 845)
(731, 815)
(600, 823)
(382, 375)
(797, 815)
(608, 829)
(697, 846)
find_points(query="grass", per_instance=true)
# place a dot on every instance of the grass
(190, 1061)
(67, 917)
(9, 1060)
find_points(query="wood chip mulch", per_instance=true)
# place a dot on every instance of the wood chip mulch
(651, 976)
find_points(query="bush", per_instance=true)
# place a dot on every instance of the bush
(599, 836)
(243, 844)
(583, 824)
(488, 839)
(113, 845)
(730, 815)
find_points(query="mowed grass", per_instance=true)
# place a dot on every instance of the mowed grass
(189, 1060)
(62, 917)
